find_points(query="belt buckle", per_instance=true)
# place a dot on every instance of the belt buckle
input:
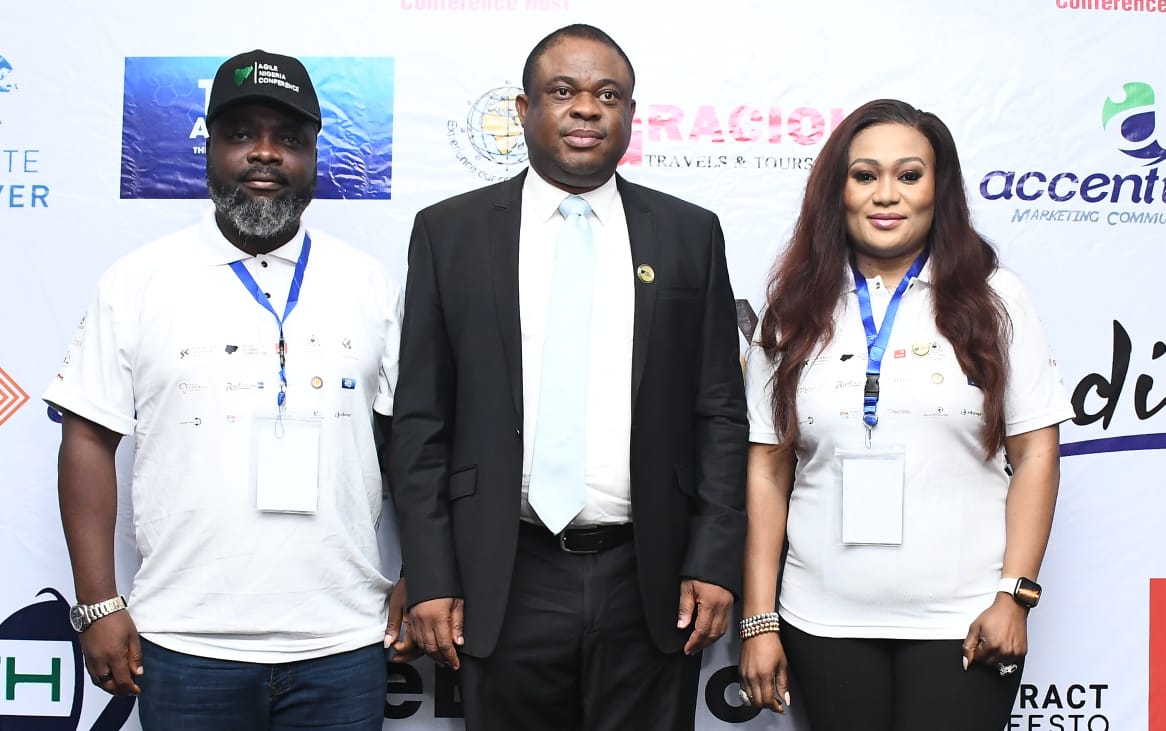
(566, 549)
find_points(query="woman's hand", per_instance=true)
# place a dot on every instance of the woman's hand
(765, 672)
(999, 634)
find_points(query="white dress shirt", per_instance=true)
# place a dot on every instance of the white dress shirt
(609, 378)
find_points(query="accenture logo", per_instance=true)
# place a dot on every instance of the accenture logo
(1077, 195)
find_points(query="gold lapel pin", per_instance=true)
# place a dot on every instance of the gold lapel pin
(646, 274)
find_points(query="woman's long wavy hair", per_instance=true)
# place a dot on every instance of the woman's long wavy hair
(809, 279)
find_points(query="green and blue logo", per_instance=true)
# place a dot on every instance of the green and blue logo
(1136, 119)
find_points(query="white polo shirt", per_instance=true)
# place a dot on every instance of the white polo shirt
(175, 351)
(946, 570)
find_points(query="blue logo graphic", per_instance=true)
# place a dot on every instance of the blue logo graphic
(1137, 115)
(164, 126)
(7, 77)
(43, 661)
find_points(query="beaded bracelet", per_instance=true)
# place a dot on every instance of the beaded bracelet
(760, 624)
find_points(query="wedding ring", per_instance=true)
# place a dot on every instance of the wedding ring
(1007, 669)
(745, 697)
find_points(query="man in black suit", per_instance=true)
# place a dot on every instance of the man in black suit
(570, 437)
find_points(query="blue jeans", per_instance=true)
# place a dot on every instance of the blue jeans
(343, 692)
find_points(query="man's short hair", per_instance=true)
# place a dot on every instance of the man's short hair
(577, 30)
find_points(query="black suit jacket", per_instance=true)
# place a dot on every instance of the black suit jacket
(457, 432)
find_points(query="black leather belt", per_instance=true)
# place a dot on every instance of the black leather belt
(594, 539)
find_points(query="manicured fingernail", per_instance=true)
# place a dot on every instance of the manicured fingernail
(787, 697)
(965, 660)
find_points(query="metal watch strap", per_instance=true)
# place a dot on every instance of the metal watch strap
(96, 611)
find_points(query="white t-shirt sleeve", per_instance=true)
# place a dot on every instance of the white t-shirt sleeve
(387, 378)
(96, 379)
(1035, 396)
(759, 371)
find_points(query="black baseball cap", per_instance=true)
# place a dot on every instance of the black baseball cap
(261, 76)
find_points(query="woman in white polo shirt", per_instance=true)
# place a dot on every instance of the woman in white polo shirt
(903, 412)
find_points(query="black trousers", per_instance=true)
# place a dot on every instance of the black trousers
(574, 653)
(895, 685)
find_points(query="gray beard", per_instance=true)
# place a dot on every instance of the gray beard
(258, 219)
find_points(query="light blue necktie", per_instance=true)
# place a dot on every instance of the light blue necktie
(558, 487)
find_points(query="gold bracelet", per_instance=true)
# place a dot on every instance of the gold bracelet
(759, 624)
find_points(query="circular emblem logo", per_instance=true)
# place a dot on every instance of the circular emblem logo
(494, 129)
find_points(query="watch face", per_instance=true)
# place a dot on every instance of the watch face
(1027, 592)
(77, 618)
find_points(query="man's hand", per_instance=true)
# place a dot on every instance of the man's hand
(401, 642)
(113, 653)
(436, 626)
(706, 608)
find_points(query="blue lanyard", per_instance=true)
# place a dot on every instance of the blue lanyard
(877, 339)
(293, 297)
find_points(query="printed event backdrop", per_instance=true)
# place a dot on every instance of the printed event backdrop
(1056, 105)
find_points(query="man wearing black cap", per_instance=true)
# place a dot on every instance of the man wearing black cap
(249, 358)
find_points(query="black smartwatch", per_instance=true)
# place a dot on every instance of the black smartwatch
(1026, 592)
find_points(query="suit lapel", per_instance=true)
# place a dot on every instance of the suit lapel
(505, 223)
(645, 251)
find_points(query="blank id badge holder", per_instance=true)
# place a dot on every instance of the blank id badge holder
(287, 464)
(872, 495)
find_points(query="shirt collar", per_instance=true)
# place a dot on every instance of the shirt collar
(923, 278)
(543, 198)
(217, 250)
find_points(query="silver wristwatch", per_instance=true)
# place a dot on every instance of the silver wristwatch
(83, 615)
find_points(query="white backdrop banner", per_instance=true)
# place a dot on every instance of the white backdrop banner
(1054, 104)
